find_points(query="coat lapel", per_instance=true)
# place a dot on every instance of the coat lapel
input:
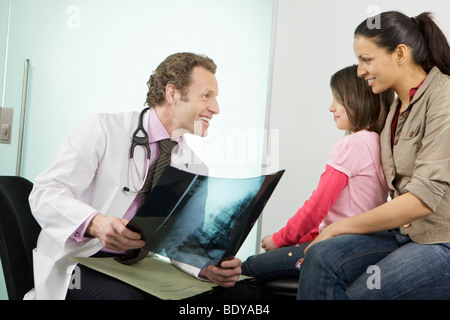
(387, 159)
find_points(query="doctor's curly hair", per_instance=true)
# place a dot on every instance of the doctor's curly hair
(176, 69)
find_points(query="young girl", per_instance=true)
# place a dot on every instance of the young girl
(401, 249)
(353, 181)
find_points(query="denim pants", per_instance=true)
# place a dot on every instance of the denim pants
(384, 265)
(275, 264)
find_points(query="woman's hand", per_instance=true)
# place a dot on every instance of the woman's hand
(325, 234)
(390, 215)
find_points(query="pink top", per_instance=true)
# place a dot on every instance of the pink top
(352, 183)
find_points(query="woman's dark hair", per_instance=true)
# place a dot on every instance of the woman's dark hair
(428, 43)
(365, 109)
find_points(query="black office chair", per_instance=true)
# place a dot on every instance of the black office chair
(18, 235)
(285, 288)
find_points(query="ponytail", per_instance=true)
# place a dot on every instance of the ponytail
(436, 43)
(428, 43)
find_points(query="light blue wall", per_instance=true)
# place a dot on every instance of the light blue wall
(104, 65)
(90, 56)
(3, 293)
(4, 6)
(4, 9)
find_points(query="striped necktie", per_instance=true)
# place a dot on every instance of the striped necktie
(165, 147)
(154, 173)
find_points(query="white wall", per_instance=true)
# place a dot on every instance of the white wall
(314, 39)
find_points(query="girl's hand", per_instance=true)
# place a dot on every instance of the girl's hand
(267, 243)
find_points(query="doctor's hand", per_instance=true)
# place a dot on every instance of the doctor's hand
(113, 233)
(225, 275)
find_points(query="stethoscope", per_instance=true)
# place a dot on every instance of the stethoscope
(139, 138)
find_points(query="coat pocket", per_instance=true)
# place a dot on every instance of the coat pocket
(410, 132)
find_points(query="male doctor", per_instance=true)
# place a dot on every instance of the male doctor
(84, 200)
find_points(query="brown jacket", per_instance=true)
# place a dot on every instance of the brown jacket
(420, 160)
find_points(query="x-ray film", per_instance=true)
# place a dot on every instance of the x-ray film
(201, 220)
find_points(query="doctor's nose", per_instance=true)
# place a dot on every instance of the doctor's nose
(214, 107)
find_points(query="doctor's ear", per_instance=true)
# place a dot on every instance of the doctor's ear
(171, 92)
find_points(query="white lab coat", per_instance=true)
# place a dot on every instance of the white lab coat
(87, 176)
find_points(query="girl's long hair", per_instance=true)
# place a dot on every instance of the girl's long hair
(365, 109)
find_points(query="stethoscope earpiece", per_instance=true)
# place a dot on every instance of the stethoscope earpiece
(142, 142)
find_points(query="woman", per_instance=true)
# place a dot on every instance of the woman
(401, 249)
